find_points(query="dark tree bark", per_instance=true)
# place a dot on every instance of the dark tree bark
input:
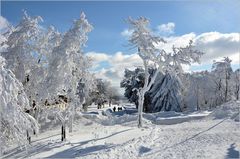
(28, 137)
(63, 133)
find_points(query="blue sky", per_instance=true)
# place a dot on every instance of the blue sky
(214, 25)
(108, 17)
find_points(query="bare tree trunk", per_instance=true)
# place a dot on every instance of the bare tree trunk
(237, 92)
(71, 123)
(28, 137)
(226, 89)
(140, 108)
(141, 94)
(110, 103)
(197, 99)
(238, 83)
(197, 94)
(63, 132)
(144, 89)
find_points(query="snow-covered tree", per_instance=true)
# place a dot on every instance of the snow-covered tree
(5, 31)
(112, 94)
(65, 63)
(36, 79)
(15, 124)
(132, 81)
(99, 95)
(66, 67)
(20, 53)
(85, 87)
(27, 43)
(166, 93)
(102, 92)
(45, 61)
(200, 94)
(236, 83)
(146, 42)
(222, 72)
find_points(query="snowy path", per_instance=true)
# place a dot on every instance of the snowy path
(199, 138)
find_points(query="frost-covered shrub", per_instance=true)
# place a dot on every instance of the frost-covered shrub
(14, 122)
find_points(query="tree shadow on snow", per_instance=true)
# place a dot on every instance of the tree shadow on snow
(186, 140)
(68, 153)
(194, 136)
(76, 152)
(46, 138)
(232, 152)
(102, 138)
(19, 153)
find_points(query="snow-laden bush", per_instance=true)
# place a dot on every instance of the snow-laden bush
(14, 122)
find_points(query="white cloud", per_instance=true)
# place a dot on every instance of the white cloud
(123, 60)
(118, 63)
(177, 41)
(126, 33)
(215, 45)
(166, 28)
(98, 57)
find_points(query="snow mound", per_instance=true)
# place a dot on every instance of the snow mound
(171, 117)
(107, 117)
(227, 110)
(117, 117)
(128, 116)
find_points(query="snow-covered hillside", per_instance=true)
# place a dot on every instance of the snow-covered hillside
(107, 134)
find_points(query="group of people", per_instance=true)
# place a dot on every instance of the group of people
(119, 109)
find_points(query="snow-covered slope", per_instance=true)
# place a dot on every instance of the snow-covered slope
(94, 137)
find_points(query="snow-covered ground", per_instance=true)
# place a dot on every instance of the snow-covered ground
(106, 134)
